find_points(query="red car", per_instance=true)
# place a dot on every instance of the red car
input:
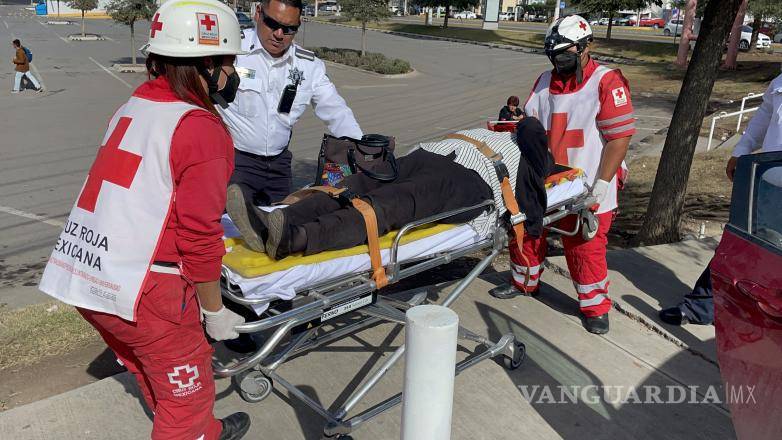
(656, 23)
(747, 279)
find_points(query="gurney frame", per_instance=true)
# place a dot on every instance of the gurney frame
(253, 377)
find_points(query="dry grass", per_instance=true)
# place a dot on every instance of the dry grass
(708, 195)
(30, 334)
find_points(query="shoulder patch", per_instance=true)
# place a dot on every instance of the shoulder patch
(305, 54)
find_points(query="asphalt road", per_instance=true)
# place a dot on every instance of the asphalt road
(49, 140)
(618, 32)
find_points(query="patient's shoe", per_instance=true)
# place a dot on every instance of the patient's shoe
(235, 426)
(243, 216)
(596, 324)
(510, 291)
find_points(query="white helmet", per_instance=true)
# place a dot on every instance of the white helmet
(568, 31)
(196, 28)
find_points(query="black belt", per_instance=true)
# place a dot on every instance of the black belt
(260, 157)
(166, 263)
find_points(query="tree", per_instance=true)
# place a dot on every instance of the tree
(83, 6)
(365, 11)
(449, 6)
(735, 37)
(128, 12)
(763, 10)
(687, 35)
(663, 215)
(611, 7)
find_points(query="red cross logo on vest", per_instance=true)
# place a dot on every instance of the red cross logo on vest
(560, 139)
(112, 165)
(582, 25)
(155, 26)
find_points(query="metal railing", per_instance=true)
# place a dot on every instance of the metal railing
(744, 100)
(723, 115)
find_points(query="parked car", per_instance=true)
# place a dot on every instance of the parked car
(673, 27)
(764, 42)
(778, 38)
(656, 23)
(465, 15)
(245, 22)
(603, 21)
(621, 21)
(747, 286)
(507, 16)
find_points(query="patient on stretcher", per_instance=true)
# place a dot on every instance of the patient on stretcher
(434, 178)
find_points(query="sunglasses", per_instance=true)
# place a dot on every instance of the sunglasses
(273, 24)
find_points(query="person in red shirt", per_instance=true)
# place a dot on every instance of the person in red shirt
(588, 115)
(156, 194)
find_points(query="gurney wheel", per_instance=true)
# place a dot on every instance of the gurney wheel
(519, 354)
(253, 386)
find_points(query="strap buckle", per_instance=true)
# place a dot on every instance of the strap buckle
(501, 169)
(516, 219)
(346, 196)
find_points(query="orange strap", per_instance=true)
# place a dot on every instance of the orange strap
(370, 221)
(507, 193)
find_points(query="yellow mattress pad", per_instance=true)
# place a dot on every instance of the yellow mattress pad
(250, 264)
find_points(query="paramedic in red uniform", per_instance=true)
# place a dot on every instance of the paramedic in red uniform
(588, 115)
(142, 266)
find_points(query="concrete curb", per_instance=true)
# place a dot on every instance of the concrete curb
(511, 47)
(368, 72)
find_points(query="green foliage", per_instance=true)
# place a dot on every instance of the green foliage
(365, 11)
(767, 9)
(128, 12)
(373, 62)
(83, 5)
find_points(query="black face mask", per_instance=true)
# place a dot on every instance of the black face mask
(567, 63)
(227, 94)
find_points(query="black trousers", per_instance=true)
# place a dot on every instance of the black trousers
(698, 306)
(264, 179)
(428, 184)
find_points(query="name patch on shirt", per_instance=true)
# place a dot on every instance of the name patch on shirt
(620, 97)
(208, 29)
(245, 72)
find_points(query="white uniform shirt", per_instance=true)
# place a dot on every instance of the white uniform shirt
(765, 129)
(256, 125)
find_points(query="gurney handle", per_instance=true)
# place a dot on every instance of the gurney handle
(394, 264)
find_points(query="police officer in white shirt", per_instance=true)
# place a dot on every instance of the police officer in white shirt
(278, 80)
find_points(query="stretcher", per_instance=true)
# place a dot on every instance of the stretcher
(304, 302)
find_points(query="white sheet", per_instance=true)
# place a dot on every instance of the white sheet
(283, 284)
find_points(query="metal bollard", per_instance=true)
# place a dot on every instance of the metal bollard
(430, 361)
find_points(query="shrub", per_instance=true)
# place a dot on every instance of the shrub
(373, 62)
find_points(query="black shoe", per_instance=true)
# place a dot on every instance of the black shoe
(278, 243)
(596, 324)
(511, 291)
(235, 426)
(244, 218)
(673, 316)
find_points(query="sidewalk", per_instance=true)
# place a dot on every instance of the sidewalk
(490, 401)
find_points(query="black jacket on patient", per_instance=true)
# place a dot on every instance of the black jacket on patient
(537, 163)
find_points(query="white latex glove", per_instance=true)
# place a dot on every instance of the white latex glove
(599, 190)
(220, 324)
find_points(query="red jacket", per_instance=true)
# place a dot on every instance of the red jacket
(202, 160)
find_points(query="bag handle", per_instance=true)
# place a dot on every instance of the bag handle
(372, 175)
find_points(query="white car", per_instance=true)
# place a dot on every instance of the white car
(603, 21)
(465, 15)
(673, 27)
(506, 16)
(764, 42)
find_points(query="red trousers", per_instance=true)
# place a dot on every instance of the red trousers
(586, 261)
(167, 352)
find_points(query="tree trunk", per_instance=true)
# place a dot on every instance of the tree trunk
(663, 215)
(447, 13)
(610, 24)
(132, 44)
(404, 10)
(82, 24)
(363, 38)
(755, 31)
(684, 44)
(735, 38)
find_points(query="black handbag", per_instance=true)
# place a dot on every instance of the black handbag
(372, 155)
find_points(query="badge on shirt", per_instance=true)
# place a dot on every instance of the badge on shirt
(620, 97)
(296, 76)
(244, 72)
(208, 29)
